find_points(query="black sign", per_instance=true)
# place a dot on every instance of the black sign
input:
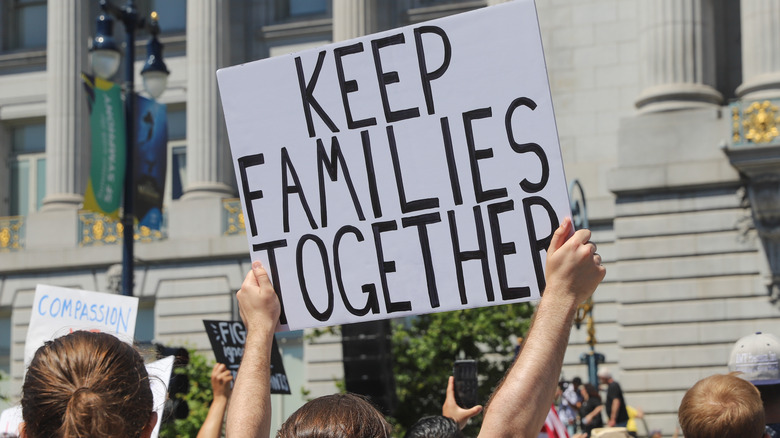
(227, 340)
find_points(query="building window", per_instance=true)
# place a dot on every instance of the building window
(144, 324)
(24, 24)
(172, 15)
(297, 8)
(28, 168)
(176, 176)
(301, 9)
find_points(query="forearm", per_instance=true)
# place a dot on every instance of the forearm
(212, 426)
(614, 410)
(593, 413)
(250, 412)
(531, 381)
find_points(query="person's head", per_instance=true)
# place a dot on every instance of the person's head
(576, 382)
(722, 406)
(757, 358)
(87, 385)
(435, 426)
(336, 416)
(655, 433)
(605, 375)
(589, 391)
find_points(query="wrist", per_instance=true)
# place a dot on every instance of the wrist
(559, 299)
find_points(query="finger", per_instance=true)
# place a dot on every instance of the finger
(473, 411)
(592, 247)
(260, 274)
(597, 259)
(560, 235)
(451, 388)
(581, 237)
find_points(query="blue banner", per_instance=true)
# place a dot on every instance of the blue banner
(150, 161)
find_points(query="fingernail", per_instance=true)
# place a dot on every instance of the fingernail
(256, 264)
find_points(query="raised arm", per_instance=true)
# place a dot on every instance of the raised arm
(221, 378)
(520, 405)
(250, 409)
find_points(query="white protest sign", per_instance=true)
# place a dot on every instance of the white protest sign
(159, 375)
(412, 171)
(10, 420)
(57, 311)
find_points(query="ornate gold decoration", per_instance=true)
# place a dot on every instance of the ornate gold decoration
(233, 217)
(97, 229)
(5, 237)
(11, 233)
(760, 122)
(585, 310)
(735, 124)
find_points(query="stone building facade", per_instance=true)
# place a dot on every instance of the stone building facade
(651, 100)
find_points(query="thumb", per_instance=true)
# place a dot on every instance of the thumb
(473, 411)
(260, 274)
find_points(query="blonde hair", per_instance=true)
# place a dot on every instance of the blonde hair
(86, 385)
(722, 406)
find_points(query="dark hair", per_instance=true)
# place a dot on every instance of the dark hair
(86, 384)
(336, 416)
(592, 391)
(576, 381)
(435, 426)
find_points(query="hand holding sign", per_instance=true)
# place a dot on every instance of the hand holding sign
(257, 302)
(573, 264)
(221, 381)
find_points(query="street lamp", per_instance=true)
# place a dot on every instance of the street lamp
(104, 56)
(579, 212)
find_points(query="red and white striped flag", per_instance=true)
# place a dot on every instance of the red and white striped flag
(553, 425)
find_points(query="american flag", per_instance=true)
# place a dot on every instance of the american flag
(553, 426)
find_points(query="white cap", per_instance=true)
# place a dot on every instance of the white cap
(757, 358)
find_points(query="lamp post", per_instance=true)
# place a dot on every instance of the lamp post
(579, 212)
(104, 57)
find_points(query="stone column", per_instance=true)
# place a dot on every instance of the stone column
(760, 49)
(208, 153)
(67, 129)
(354, 18)
(677, 61)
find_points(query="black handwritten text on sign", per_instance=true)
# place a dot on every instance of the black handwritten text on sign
(412, 171)
(227, 340)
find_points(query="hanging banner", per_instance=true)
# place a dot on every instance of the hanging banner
(150, 161)
(412, 171)
(107, 125)
(227, 341)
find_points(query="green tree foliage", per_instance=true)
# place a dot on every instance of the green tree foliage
(198, 398)
(425, 348)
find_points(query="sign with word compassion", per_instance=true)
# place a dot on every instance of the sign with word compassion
(411, 171)
(57, 311)
(227, 341)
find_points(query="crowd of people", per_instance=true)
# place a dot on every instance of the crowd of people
(92, 384)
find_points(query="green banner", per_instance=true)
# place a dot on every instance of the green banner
(107, 171)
